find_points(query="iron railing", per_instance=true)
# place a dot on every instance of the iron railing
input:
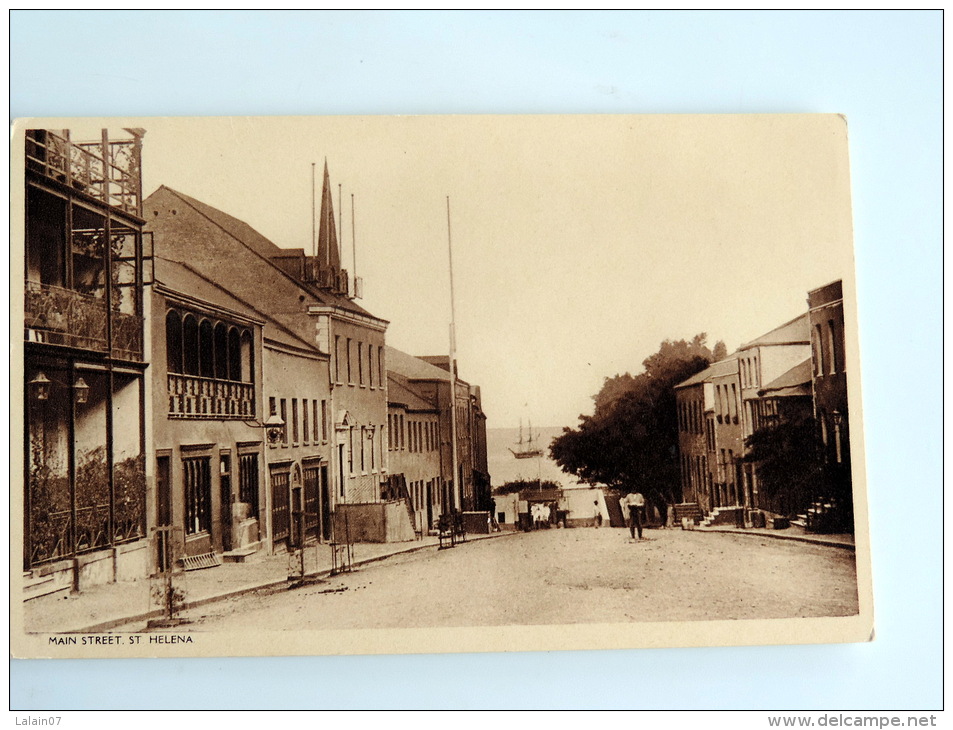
(109, 172)
(58, 316)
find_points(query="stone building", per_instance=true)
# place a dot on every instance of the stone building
(833, 504)
(430, 378)
(413, 451)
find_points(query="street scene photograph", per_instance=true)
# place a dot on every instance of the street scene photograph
(322, 385)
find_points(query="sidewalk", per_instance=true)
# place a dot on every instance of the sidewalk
(104, 607)
(794, 532)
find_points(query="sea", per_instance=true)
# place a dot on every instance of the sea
(504, 467)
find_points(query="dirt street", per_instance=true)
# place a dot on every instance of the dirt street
(564, 576)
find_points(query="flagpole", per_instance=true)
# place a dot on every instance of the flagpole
(314, 245)
(457, 487)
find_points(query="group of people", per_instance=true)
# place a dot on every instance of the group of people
(540, 514)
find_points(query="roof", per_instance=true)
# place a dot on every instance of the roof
(414, 368)
(183, 279)
(796, 381)
(252, 239)
(797, 331)
(400, 392)
(723, 367)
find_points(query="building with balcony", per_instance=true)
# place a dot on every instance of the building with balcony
(85, 497)
(219, 421)
(760, 362)
(336, 391)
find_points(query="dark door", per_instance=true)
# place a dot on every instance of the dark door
(429, 507)
(297, 517)
(225, 496)
(312, 477)
(280, 517)
(163, 514)
(325, 504)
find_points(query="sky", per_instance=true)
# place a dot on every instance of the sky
(579, 242)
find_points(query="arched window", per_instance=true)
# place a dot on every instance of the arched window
(248, 357)
(173, 341)
(221, 351)
(206, 350)
(190, 345)
(234, 355)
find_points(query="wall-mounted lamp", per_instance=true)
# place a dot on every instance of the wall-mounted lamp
(80, 391)
(274, 428)
(40, 388)
(370, 432)
(838, 418)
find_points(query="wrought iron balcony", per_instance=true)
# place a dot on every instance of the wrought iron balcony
(58, 316)
(191, 396)
(106, 170)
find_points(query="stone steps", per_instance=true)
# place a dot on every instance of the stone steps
(36, 586)
(239, 555)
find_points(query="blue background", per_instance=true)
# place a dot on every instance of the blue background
(882, 69)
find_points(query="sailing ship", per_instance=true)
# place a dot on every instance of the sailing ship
(526, 449)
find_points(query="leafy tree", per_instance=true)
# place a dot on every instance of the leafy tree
(520, 485)
(630, 442)
(788, 464)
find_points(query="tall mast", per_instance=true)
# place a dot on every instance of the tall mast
(457, 487)
(353, 246)
(340, 227)
(314, 240)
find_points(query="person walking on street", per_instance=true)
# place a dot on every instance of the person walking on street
(634, 503)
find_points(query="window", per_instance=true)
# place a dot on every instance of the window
(363, 439)
(294, 421)
(324, 421)
(337, 358)
(839, 454)
(248, 481)
(373, 454)
(284, 417)
(380, 366)
(831, 348)
(305, 431)
(734, 402)
(350, 376)
(173, 341)
(198, 494)
(350, 449)
(818, 351)
(370, 365)
(360, 363)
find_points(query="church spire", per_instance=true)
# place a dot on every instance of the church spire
(328, 256)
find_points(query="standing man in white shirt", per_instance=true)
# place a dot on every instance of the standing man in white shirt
(633, 504)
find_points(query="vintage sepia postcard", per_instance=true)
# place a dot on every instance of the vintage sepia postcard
(429, 384)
